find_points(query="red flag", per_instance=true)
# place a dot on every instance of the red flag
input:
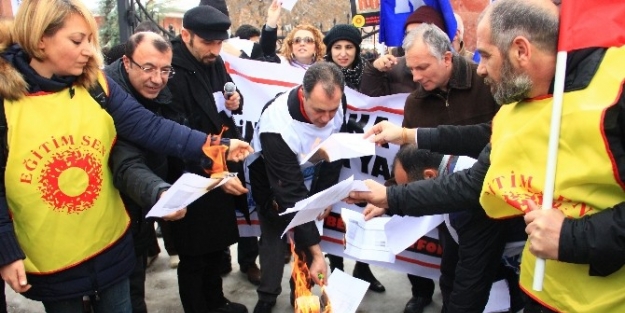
(596, 23)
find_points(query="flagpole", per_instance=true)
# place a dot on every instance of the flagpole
(552, 155)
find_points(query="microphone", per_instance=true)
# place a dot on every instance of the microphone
(229, 89)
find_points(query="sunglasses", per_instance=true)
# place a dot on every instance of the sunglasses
(298, 40)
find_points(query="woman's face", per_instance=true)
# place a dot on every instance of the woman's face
(343, 53)
(303, 46)
(68, 51)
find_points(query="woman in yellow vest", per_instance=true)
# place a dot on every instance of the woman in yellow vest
(64, 236)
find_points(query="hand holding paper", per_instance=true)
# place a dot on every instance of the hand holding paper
(310, 208)
(188, 188)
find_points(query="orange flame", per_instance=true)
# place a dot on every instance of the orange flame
(305, 301)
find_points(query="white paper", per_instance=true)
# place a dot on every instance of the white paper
(188, 188)
(345, 292)
(310, 208)
(220, 102)
(288, 4)
(403, 231)
(499, 299)
(244, 45)
(366, 240)
(343, 146)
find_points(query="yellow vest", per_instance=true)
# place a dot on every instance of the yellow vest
(585, 181)
(58, 184)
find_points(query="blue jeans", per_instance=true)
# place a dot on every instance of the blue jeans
(115, 299)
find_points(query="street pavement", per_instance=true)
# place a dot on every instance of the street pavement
(162, 291)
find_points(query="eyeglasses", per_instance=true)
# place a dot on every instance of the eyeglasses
(298, 40)
(168, 71)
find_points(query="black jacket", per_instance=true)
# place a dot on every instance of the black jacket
(597, 240)
(210, 224)
(138, 173)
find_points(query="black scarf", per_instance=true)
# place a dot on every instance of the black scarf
(21, 61)
(353, 75)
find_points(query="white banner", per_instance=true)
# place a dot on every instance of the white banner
(259, 82)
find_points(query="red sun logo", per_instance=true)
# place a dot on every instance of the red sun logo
(71, 161)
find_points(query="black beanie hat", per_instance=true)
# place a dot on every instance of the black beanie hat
(342, 32)
(217, 4)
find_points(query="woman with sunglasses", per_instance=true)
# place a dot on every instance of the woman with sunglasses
(343, 49)
(301, 48)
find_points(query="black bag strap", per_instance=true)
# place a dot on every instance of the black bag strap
(98, 94)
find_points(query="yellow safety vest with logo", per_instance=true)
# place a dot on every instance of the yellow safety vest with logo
(586, 181)
(59, 187)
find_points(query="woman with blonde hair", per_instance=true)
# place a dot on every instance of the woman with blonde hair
(64, 236)
(302, 46)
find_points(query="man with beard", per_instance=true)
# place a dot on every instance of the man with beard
(451, 92)
(210, 224)
(583, 238)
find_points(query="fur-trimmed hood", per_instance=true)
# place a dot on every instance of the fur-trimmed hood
(18, 78)
(13, 86)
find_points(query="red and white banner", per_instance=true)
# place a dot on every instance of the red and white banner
(260, 82)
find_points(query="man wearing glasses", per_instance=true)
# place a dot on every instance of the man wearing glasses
(143, 72)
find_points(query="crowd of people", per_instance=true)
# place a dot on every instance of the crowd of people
(91, 143)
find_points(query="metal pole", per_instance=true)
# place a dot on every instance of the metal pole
(123, 19)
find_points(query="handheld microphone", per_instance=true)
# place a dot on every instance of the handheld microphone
(229, 89)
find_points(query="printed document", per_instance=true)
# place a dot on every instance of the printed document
(188, 188)
(345, 292)
(310, 208)
(402, 231)
(366, 240)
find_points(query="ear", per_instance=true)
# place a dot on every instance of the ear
(186, 36)
(520, 50)
(126, 62)
(430, 173)
(41, 44)
(447, 58)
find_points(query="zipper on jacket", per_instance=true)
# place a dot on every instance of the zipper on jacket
(444, 98)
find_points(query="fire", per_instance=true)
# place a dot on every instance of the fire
(305, 301)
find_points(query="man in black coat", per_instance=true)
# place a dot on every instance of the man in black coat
(210, 225)
(138, 173)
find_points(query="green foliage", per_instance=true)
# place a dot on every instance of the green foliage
(109, 30)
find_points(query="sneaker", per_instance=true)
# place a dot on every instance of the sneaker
(264, 306)
(231, 307)
(173, 261)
